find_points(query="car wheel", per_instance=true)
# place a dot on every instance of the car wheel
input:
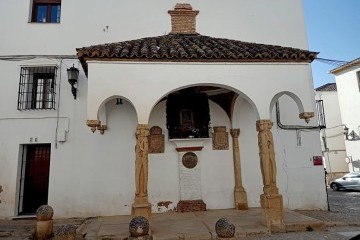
(334, 187)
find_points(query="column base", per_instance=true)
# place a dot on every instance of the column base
(240, 199)
(191, 206)
(141, 207)
(273, 212)
(44, 230)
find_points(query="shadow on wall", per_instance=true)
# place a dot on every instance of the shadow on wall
(1, 190)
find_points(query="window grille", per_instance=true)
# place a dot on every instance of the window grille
(320, 113)
(37, 88)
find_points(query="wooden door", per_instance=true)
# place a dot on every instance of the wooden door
(36, 182)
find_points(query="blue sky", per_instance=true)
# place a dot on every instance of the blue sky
(333, 28)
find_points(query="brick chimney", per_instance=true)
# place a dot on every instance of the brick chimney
(183, 19)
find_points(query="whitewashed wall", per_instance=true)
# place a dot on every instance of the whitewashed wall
(335, 153)
(83, 21)
(300, 182)
(349, 101)
(92, 174)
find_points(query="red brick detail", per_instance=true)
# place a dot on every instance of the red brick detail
(188, 149)
(191, 206)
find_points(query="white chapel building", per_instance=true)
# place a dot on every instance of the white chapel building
(176, 107)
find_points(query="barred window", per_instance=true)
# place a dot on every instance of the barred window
(37, 88)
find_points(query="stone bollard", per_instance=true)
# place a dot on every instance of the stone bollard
(139, 228)
(65, 232)
(224, 229)
(44, 222)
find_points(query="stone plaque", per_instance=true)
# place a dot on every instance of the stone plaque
(189, 160)
(220, 138)
(156, 140)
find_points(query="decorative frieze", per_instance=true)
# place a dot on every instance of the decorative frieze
(220, 138)
(156, 140)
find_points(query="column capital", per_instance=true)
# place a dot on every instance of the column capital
(235, 132)
(142, 130)
(263, 125)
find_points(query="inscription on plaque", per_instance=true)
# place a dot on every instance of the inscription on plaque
(189, 160)
(156, 140)
(220, 139)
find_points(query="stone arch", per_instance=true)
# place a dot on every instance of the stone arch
(101, 112)
(222, 86)
(293, 96)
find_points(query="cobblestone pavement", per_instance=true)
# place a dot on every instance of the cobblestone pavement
(343, 219)
(343, 222)
(24, 228)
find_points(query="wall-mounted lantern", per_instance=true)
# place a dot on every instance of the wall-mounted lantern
(352, 136)
(73, 75)
(118, 101)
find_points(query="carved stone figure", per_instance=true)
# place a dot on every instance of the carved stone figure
(141, 163)
(267, 153)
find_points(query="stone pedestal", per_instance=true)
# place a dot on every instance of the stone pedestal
(191, 206)
(240, 199)
(44, 230)
(273, 213)
(189, 174)
(141, 207)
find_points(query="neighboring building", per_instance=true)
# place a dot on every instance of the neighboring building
(332, 135)
(178, 121)
(348, 84)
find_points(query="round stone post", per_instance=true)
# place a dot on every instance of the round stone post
(141, 206)
(239, 192)
(44, 222)
(271, 200)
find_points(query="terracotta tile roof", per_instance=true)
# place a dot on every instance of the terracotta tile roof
(329, 87)
(186, 48)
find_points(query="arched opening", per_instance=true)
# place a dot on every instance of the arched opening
(206, 108)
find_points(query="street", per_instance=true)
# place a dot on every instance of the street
(344, 208)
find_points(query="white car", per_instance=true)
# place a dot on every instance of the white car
(348, 181)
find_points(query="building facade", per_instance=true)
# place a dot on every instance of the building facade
(188, 120)
(332, 135)
(348, 83)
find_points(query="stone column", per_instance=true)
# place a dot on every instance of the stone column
(239, 192)
(141, 206)
(271, 200)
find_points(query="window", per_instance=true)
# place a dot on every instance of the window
(320, 113)
(358, 78)
(37, 88)
(46, 11)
